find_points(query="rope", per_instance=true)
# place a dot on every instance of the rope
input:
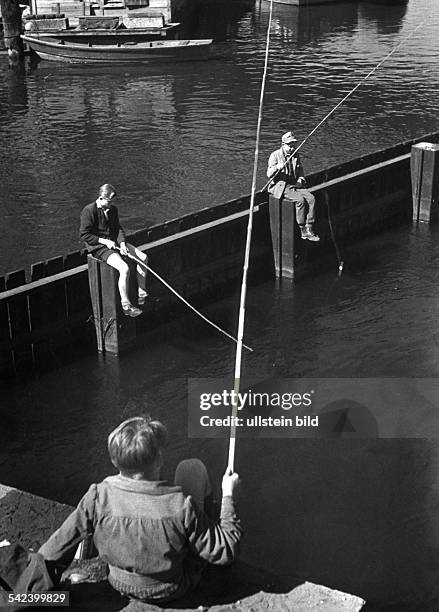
(180, 297)
(232, 438)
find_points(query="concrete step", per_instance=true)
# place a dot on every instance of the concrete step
(237, 588)
(30, 520)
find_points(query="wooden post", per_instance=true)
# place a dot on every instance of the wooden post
(115, 332)
(12, 27)
(424, 165)
(283, 227)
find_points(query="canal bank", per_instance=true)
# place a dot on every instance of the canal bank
(29, 520)
(50, 318)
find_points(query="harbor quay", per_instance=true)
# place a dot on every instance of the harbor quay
(49, 317)
(29, 520)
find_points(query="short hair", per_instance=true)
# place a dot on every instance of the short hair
(136, 443)
(107, 190)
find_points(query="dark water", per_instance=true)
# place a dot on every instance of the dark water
(175, 139)
(355, 514)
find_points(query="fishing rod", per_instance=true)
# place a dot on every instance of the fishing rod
(232, 437)
(348, 95)
(325, 118)
(180, 297)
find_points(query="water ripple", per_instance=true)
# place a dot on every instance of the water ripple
(184, 135)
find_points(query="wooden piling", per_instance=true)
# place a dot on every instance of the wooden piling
(115, 332)
(424, 164)
(12, 27)
(283, 227)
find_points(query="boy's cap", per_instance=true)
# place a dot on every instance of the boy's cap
(288, 137)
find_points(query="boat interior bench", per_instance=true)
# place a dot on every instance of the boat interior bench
(97, 22)
(137, 22)
(143, 22)
(46, 25)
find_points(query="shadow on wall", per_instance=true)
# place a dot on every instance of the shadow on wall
(356, 515)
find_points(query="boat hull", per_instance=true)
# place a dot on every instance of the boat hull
(304, 2)
(105, 37)
(315, 2)
(152, 52)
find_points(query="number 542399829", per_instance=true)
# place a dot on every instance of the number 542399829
(49, 598)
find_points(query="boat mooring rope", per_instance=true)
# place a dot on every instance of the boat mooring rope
(180, 297)
(232, 438)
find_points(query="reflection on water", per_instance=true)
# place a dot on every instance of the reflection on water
(293, 24)
(178, 138)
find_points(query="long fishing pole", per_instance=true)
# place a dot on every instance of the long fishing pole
(348, 95)
(232, 438)
(180, 297)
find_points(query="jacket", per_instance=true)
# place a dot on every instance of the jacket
(94, 225)
(289, 175)
(145, 531)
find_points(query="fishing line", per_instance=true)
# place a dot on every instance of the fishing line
(334, 242)
(180, 297)
(232, 438)
(348, 95)
(325, 118)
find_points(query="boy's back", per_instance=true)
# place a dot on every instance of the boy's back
(149, 533)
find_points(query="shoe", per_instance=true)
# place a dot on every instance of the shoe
(309, 235)
(303, 233)
(130, 310)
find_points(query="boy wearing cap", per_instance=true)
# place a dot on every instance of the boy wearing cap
(288, 183)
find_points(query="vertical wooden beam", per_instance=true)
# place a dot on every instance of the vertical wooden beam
(72, 260)
(38, 270)
(115, 332)
(55, 265)
(19, 322)
(283, 228)
(6, 354)
(12, 27)
(424, 165)
(94, 280)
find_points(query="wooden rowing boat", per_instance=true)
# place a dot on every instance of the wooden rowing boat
(103, 30)
(51, 48)
(107, 37)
